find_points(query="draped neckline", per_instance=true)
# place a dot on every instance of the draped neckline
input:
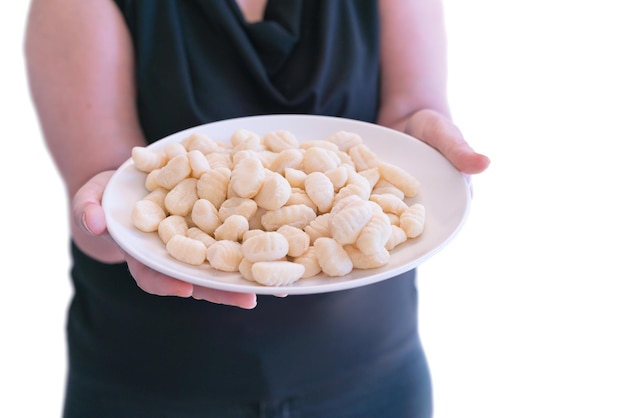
(276, 35)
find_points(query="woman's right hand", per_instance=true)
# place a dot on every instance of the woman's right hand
(89, 231)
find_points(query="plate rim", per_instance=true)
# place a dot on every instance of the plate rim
(211, 277)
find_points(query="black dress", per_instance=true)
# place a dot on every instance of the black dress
(348, 353)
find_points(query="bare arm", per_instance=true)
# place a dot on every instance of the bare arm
(414, 77)
(79, 62)
(81, 72)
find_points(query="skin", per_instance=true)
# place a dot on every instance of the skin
(85, 97)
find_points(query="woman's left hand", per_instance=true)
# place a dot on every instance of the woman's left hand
(439, 132)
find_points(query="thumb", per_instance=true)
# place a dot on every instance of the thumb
(87, 210)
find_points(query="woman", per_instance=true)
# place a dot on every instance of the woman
(109, 75)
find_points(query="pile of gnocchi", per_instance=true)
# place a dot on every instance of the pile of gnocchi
(276, 209)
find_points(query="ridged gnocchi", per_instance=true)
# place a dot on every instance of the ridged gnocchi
(267, 246)
(274, 209)
(225, 255)
(276, 273)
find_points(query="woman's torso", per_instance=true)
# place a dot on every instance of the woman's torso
(198, 62)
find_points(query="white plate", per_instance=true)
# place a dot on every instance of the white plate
(444, 193)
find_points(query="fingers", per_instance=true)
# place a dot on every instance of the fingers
(439, 132)
(155, 283)
(241, 300)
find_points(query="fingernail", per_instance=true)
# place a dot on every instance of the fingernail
(84, 224)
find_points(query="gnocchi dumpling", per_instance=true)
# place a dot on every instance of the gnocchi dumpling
(364, 261)
(174, 149)
(199, 235)
(176, 169)
(170, 226)
(237, 206)
(400, 178)
(198, 163)
(266, 246)
(318, 159)
(280, 140)
(243, 136)
(277, 273)
(157, 196)
(213, 185)
(232, 228)
(300, 197)
(338, 176)
(274, 192)
(347, 223)
(225, 255)
(147, 215)
(345, 140)
(318, 227)
(290, 158)
(333, 259)
(187, 250)
(295, 177)
(389, 203)
(396, 237)
(294, 215)
(375, 234)
(363, 157)
(147, 160)
(321, 191)
(297, 239)
(182, 197)
(310, 262)
(205, 216)
(247, 177)
(199, 142)
(413, 220)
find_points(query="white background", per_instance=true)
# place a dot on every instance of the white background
(521, 316)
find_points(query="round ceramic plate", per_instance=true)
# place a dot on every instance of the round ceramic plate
(444, 193)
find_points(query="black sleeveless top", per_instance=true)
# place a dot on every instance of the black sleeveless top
(198, 61)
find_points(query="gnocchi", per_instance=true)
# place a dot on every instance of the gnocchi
(276, 273)
(268, 246)
(274, 209)
(187, 250)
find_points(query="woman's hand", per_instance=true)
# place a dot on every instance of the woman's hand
(156, 283)
(439, 132)
(89, 231)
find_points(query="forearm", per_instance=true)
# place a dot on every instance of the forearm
(413, 61)
(79, 63)
(414, 76)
